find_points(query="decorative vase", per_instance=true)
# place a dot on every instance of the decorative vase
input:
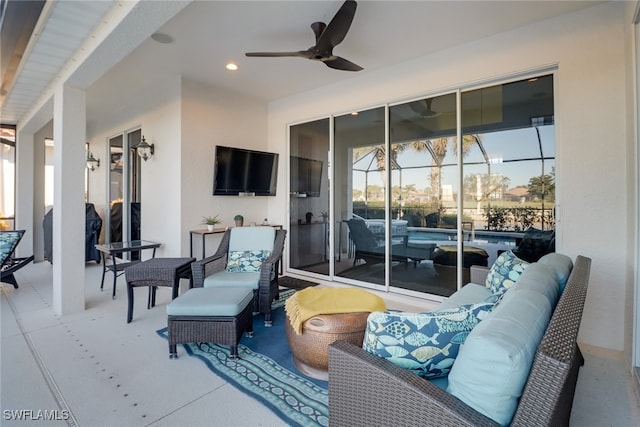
(210, 227)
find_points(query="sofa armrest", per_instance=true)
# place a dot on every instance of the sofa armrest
(478, 274)
(365, 389)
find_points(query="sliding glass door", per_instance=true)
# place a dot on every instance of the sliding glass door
(426, 188)
(360, 182)
(124, 187)
(309, 197)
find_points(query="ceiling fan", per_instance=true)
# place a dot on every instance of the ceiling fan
(327, 37)
(423, 108)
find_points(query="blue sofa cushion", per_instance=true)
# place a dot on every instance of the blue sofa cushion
(470, 293)
(561, 264)
(493, 365)
(238, 261)
(542, 279)
(424, 343)
(504, 272)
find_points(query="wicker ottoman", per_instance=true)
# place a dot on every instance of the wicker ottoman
(310, 350)
(218, 315)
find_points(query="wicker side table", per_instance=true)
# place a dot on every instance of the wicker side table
(153, 273)
(310, 349)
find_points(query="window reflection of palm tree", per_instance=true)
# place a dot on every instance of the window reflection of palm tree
(436, 147)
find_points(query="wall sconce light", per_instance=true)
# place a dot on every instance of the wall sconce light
(92, 162)
(145, 151)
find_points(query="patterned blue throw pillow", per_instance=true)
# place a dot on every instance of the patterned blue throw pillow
(246, 260)
(505, 272)
(424, 343)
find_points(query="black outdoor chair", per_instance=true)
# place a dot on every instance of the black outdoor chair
(371, 248)
(10, 264)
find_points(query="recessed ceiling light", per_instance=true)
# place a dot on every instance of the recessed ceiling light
(162, 38)
(232, 67)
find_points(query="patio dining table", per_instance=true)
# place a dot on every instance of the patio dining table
(116, 250)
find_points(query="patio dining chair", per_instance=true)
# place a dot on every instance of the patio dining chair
(8, 242)
(371, 247)
(246, 257)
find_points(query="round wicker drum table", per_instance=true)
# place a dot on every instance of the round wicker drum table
(310, 349)
(316, 317)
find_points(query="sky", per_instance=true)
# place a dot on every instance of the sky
(500, 147)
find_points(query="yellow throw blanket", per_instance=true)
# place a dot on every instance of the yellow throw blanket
(310, 302)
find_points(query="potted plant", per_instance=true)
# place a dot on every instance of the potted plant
(210, 222)
(239, 219)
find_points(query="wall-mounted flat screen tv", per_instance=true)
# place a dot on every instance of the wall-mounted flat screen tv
(242, 172)
(306, 177)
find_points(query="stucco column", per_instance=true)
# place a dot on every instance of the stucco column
(69, 130)
(24, 192)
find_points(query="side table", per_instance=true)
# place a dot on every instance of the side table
(156, 272)
(116, 249)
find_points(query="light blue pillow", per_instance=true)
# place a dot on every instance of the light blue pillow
(493, 366)
(504, 272)
(425, 343)
(246, 260)
(561, 264)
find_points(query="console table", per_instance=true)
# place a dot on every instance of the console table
(204, 232)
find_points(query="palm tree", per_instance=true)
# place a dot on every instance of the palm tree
(436, 147)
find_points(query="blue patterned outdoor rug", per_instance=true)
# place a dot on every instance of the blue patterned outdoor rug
(265, 371)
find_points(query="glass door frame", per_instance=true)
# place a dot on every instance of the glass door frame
(131, 179)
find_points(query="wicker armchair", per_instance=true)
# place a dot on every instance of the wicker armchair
(265, 287)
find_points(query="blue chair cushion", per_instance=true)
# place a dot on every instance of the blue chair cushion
(211, 302)
(252, 238)
(223, 279)
(424, 343)
(246, 260)
(504, 272)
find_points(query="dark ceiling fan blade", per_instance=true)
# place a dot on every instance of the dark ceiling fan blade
(318, 29)
(337, 29)
(423, 108)
(300, 53)
(342, 64)
(327, 37)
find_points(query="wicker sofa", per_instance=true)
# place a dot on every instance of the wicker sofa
(365, 389)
